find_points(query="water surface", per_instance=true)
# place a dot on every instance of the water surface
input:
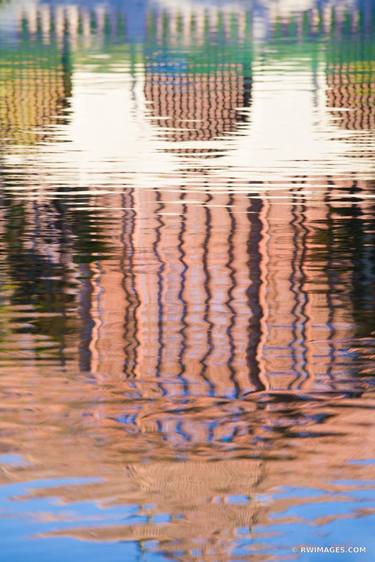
(187, 297)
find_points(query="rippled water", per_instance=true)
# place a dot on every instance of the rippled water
(187, 279)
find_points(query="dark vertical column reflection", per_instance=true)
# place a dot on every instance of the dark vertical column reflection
(131, 339)
(87, 322)
(297, 279)
(208, 295)
(230, 296)
(253, 292)
(181, 295)
(160, 291)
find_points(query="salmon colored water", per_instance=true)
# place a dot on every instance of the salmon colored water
(187, 280)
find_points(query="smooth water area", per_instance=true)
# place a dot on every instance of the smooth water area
(187, 280)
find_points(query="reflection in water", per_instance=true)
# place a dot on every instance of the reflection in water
(187, 279)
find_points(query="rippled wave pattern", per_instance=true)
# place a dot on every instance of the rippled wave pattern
(187, 279)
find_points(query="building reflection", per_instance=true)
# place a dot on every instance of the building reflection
(197, 75)
(202, 293)
(350, 85)
(35, 83)
(220, 294)
(189, 346)
(228, 294)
